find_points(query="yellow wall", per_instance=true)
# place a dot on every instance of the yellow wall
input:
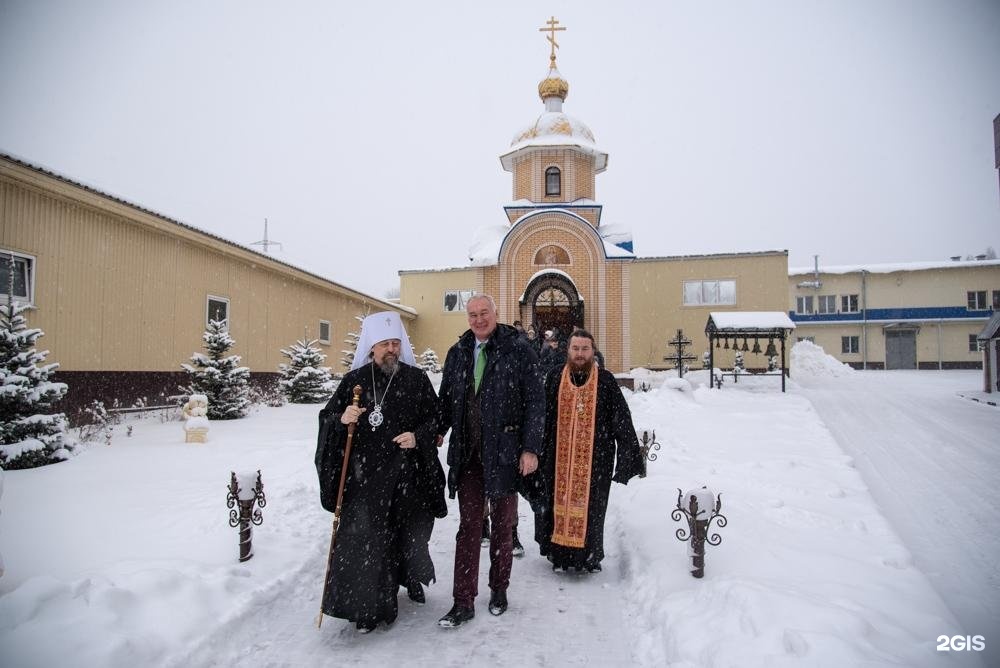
(424, 291)
(119, 289)
(944, 341)
(657, 309)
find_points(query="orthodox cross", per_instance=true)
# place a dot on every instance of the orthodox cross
(552, 30)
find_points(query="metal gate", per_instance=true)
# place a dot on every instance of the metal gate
(900, 349)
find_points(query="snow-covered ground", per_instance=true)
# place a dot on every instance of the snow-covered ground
(860, 530)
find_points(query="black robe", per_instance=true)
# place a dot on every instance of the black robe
(391, 495)
(613, 424)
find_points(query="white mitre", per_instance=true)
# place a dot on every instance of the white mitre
(380, 327)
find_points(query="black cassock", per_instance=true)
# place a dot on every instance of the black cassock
(391, 495)
(613, 424)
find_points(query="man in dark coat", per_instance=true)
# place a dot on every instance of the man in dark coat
(395, 482)
(491, 398)
(585, 417)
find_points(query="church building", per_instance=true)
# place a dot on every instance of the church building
(551, 262)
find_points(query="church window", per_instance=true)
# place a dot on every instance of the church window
(553, 181)
(324, 331)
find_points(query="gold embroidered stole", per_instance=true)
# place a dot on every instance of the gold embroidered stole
(574, 458)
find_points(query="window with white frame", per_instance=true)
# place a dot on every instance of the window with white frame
(553, 181)
(848, 303)
(21, 269)
(709, 292)
(826, 304)
(850, 344)
(217, 308)
(324, 331)
(974, 344)
(977, 300)
(804, 304)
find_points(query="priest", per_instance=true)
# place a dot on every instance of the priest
(395, 483)
(589, 442)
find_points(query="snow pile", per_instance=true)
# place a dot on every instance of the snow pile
(811, 361)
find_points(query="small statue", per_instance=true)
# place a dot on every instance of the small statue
(195, 420)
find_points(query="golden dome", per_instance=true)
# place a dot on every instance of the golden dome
(553, 85)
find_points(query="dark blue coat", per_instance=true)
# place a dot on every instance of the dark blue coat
(511, 408)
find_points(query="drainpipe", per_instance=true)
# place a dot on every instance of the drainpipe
(940, 353)
(864, 319)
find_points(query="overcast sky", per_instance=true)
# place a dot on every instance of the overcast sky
(368, 134)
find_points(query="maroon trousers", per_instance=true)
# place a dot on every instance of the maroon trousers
(503, 512)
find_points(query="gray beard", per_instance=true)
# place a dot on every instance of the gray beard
(389, 365)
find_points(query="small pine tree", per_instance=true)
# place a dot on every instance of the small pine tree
(219, 377)
(429, 361)
(29, 436)
(352, 340)
(738, 362)
(305, 380)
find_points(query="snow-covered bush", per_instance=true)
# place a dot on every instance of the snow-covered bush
(29, 435)
(218, 376)
(305, 380)
(429, 361)
(352, 341)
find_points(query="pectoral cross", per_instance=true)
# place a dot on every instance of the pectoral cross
(552, 30)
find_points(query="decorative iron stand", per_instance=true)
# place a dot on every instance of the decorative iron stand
(245, 492)
(647, 444)
(699, 515)
(680, 356)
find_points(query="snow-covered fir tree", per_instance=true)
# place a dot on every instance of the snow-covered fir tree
(429, 361)
(29, 435)
(352, 341)
(219, 376)
(305, 380)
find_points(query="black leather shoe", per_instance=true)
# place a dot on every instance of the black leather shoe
(498, 603)
(366, 627)
(457, 616)
(416, 593)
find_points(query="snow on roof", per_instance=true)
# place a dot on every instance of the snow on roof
(287, 262)
(887, 268)
(616, 234)
(991, 330)
(751, 320)
(485, 249)
(554, 127)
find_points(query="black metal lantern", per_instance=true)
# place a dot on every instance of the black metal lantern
(701, 508)
(245, 491)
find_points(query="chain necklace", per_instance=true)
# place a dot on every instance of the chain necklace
(375, 418)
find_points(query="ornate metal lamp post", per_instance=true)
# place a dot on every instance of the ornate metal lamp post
(647, 443)
(245, 490)
(699, 507)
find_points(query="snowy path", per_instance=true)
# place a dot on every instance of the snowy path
(913, 439)
(554, 619)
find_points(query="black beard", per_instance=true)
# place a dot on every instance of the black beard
(580, 373)
(389, 364)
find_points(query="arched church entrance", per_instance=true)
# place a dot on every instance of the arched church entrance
(552, 301)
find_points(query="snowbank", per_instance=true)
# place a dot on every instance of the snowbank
(810, 361)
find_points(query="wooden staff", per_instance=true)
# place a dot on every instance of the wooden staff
(340, 501)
